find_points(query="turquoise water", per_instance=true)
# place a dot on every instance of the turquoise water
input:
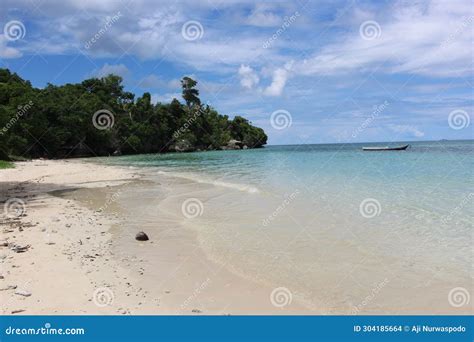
(335, 220)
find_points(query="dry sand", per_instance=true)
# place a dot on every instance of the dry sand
(59, 253)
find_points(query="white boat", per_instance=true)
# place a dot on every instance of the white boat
(385, 148)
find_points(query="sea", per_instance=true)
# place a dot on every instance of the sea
(342, 230)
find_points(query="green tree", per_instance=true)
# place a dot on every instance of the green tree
(190, 93)
(57, 121)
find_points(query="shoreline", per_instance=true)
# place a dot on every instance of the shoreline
(81, 257)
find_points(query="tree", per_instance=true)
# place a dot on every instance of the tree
(57, 121)
(190, 93)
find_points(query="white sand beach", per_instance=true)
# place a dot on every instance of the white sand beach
(60, 253)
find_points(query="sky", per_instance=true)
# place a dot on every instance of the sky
(305, 71)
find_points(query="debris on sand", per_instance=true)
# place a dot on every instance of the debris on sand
(141, 236)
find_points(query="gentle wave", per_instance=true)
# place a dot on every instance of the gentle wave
(236, 186)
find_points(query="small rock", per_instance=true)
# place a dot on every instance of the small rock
(196, 311)
(23, 293)
(9, 287)
(141, 236)
(20, 249)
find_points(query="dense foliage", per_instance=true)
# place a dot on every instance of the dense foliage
(98, 117)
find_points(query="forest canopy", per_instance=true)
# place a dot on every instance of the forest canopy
(97, 117)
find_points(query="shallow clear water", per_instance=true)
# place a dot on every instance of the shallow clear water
(332, 222)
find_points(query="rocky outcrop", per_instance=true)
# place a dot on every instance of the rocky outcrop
(233, 145)
(182, 145)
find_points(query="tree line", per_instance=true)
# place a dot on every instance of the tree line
(97, 117)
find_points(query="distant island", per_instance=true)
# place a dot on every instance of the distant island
(98, 118)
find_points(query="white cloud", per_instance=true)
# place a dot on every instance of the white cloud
(424, 37)
(165, 98)
(7, 51)
(248, 77)
(429, 38)
(153, 81)
(263, 16)
(279, 78)
(116, 69)
(406, 129)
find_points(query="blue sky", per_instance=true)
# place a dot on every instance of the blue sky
(340, 71)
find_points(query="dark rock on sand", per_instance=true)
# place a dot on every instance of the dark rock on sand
(141, 236)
